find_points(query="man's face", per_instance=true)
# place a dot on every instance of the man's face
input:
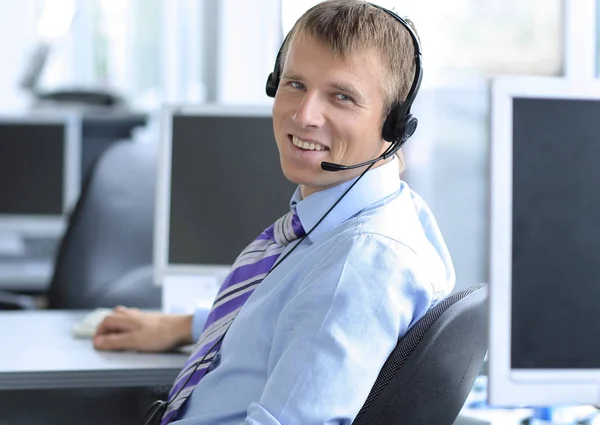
(327, 109)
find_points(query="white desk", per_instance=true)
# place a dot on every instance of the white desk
(37, 351)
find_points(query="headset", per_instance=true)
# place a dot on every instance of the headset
(399, 124)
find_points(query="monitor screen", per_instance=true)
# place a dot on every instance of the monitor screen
(556, 234)
(32, 168)
(226, 186)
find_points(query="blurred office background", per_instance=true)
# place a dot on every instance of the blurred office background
(101, 72)
(220, 51)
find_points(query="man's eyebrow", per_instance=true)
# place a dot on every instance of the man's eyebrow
(348, 88)
(295, 77)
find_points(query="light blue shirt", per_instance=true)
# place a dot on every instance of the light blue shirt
(309, 343)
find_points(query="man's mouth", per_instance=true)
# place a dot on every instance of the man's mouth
(306, 145)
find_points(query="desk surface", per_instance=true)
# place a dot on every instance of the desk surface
(37, 350)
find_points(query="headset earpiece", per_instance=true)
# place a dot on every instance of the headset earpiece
(388, 132)
(271, 86)
(399, 124)
(409, 126)
(273, 79)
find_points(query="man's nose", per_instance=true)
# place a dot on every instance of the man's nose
(310, 111)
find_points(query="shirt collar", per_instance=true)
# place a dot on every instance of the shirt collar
(375, 185)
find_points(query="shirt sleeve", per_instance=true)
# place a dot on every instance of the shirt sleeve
(337, 331)
(200, 316)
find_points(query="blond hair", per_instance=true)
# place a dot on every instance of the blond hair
(348, 26)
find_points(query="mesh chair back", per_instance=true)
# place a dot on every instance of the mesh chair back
(429, 375)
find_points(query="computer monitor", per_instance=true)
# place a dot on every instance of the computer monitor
(39, 172)
(40, 159)
(220, 184)
(545, 242)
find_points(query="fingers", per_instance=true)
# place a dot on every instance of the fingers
(132, 329)
(116, 323)
(116, 341)
(120, 309)
(125, 310)
(124, 329)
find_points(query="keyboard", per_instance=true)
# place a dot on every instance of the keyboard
(39, 248)
(32, 248)
(27, 262)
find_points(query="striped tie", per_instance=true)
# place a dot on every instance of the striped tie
(248, 270)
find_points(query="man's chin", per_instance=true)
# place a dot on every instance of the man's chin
(301, 177)
(311, 182)
(310, 186)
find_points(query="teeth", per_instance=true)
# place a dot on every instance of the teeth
(306, 145)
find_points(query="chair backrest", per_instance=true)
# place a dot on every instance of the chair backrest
(110, 234)
(429, 375)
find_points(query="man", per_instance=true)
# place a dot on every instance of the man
(307, 344)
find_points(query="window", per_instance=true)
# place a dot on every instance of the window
(126, 40)
(473, 36)
(111, 44)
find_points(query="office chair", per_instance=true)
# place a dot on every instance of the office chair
(429, 375)
(105, 257)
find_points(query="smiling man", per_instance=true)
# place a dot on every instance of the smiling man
(314, 306)
(328, 108)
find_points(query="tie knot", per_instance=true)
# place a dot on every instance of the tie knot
(287, 229)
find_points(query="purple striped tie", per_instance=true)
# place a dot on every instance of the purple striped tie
(248, 270)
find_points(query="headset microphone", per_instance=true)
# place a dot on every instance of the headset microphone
(330, 166)
(389, 131)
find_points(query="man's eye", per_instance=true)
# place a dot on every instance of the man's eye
(343, 97)
(297, 85)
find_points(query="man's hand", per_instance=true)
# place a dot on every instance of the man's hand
(132, 329)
